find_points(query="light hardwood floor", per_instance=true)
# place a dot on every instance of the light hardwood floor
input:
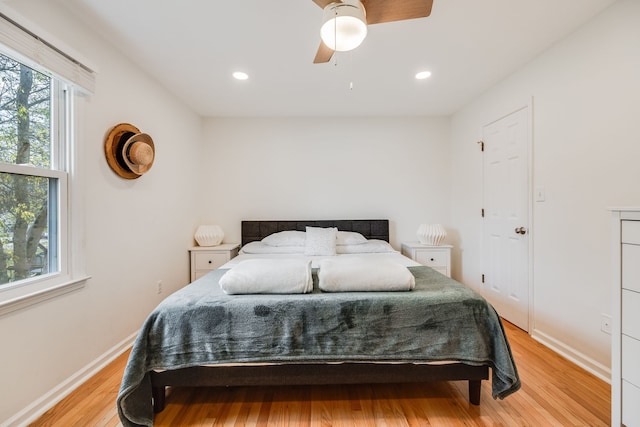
(554, 392)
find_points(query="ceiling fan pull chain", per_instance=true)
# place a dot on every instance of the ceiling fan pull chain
(351, 69)
(335, 37)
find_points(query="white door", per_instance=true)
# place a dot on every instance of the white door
(506, 216)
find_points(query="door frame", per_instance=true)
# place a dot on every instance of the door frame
(530, 220)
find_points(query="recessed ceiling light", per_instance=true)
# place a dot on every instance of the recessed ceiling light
(423, 75)
(239, 75)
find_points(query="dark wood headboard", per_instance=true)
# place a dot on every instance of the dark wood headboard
(370, 228)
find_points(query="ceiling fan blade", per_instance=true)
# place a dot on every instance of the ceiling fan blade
(325, 3)
(379, 11)
(324, 54)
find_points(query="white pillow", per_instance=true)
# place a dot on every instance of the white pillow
(261, 248)
(350, 238)
(285, 238)
(320, 241)
(371, 246)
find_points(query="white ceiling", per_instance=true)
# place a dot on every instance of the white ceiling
(193, 46)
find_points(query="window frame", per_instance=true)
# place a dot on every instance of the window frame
(69, 274)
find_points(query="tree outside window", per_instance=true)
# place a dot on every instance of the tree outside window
(28, 200)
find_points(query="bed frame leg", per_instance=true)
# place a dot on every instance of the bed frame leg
(475, 386)
(158, 394)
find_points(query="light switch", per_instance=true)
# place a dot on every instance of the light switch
(539, 194)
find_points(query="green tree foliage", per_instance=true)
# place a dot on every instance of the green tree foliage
(25, 138)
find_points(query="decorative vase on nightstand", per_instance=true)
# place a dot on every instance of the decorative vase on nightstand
(209, 235)
(431, 234)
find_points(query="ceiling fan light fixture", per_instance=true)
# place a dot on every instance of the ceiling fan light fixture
(344, 25)
(240, 75)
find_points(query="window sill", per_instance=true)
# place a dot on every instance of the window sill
(25, 301)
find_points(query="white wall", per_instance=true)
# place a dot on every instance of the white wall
(586, 149)
(137, 232)
(327, 168)
(586, 104)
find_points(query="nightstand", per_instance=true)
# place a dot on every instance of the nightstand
(436, 257)
(207, 258)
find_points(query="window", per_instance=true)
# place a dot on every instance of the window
(29, 199)
(37, 180)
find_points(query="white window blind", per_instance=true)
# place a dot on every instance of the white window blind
(33, 50)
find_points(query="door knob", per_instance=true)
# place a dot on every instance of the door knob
(521, 230)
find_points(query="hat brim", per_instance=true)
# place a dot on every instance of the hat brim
(113, 148)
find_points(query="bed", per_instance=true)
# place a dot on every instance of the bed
(439, 330)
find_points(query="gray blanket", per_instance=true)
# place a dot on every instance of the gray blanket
(440, 320)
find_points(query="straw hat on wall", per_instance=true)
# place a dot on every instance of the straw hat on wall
(129, 152)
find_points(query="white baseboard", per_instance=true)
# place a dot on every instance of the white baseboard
(596, 368)
(55, 395)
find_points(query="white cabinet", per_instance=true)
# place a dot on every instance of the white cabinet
(436, 257)
(207, 258)
(625, 351)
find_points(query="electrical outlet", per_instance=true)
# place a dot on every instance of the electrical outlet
(159, 287)
(605, 324)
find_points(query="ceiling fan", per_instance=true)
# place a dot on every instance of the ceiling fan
(344, 24)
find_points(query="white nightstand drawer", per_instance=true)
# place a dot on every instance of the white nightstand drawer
(631, 267)
(631, 232)
(432, 258)
(631, 314)
(630, 406)
(631, 360)
(207, 258)
(436, 257)
(210, 261)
